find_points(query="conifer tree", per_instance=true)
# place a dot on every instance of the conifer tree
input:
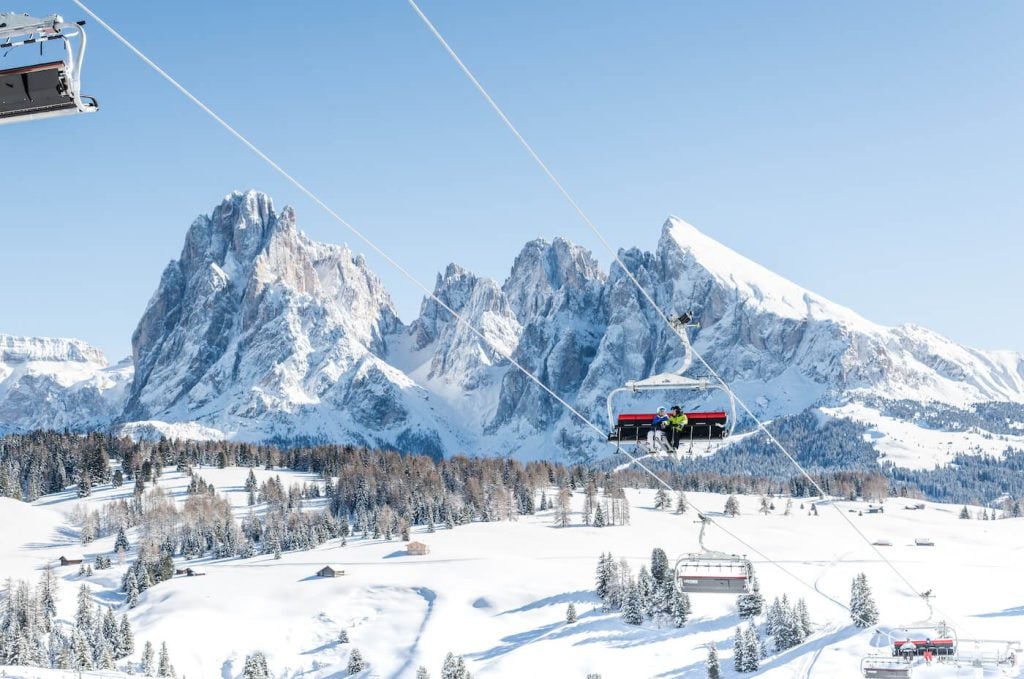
(751, 603)
(711, 664)
(570, 613)
(122, 540)
(662, 502)
(732, 506)
(965, 513)
(739, 649)
(422, 673)
(256, 664)
(751, 648)
(343, 636)
(661, 571)
(599, 520)
(681, 504)
(633, 606)
(863, 610)
(148, 665)
(680, 608)
(803, 619)
(127, 638)
(82, 654)
(164, 666)
(84, 481)
(356, 664)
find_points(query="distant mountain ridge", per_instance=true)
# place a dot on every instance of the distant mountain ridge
(256, 332)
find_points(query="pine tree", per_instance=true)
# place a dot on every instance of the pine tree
(739, 660)
(132, 596)
(863, 610)
(84, 615)
(964, 513)
(422, 673)
(570, 613)
(711, 664)
(122, 540)
(732, 506)
(803, 619)
(164, 667)
(645, 589)
(681, 504)
(680, 608)
(454, 667)
(343, 636)
(82, 654)
(601, 579)
(752, 603)
(256, 664)
(599, 520)
(633, 606)
(765, 507)
(84, 481)
(356, 664)
(147, 659)
(127, 645)
(662, 502)
(751, 648)
(661, 571)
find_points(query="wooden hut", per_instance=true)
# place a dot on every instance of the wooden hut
(71, 560)
(331, 572)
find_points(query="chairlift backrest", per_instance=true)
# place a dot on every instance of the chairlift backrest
(42, 90)
(877, 667)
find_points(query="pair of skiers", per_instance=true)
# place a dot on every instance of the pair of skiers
(664, 422)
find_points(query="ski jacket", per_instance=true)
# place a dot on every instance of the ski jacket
(677, 421)
(659, 421)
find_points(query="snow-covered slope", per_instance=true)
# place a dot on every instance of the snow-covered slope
(497, 592)
(58, 383)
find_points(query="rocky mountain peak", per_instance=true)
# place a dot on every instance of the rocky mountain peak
(543, 272)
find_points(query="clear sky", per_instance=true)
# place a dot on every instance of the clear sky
(871, 152)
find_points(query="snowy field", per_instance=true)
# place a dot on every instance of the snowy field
(497, 592)
(908, 445)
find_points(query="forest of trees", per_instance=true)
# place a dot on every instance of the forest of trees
(31, 634)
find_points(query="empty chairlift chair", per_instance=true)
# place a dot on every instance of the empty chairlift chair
(709, 572)
(713, 573)
(44, 90)
(880, 667)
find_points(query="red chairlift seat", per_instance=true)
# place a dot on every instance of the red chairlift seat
(699, 426)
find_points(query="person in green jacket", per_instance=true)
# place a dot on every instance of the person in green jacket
(676, 421)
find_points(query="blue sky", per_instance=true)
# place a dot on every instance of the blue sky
(871, 152)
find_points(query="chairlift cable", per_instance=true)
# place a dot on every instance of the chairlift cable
(398, 267)
(597, 232)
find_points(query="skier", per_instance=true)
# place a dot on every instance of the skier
(657, 433)
(676, 421)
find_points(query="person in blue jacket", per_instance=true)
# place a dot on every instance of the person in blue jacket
(656, 435)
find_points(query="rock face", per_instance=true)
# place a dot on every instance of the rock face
(58, 384)
(259, 332)
(256, 332)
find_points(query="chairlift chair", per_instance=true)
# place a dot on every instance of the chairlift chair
(710, 572)
(881, 667)
(701, 426)
(44, 90)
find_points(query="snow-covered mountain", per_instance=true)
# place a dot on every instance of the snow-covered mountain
(57, 384)
(256, 332)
